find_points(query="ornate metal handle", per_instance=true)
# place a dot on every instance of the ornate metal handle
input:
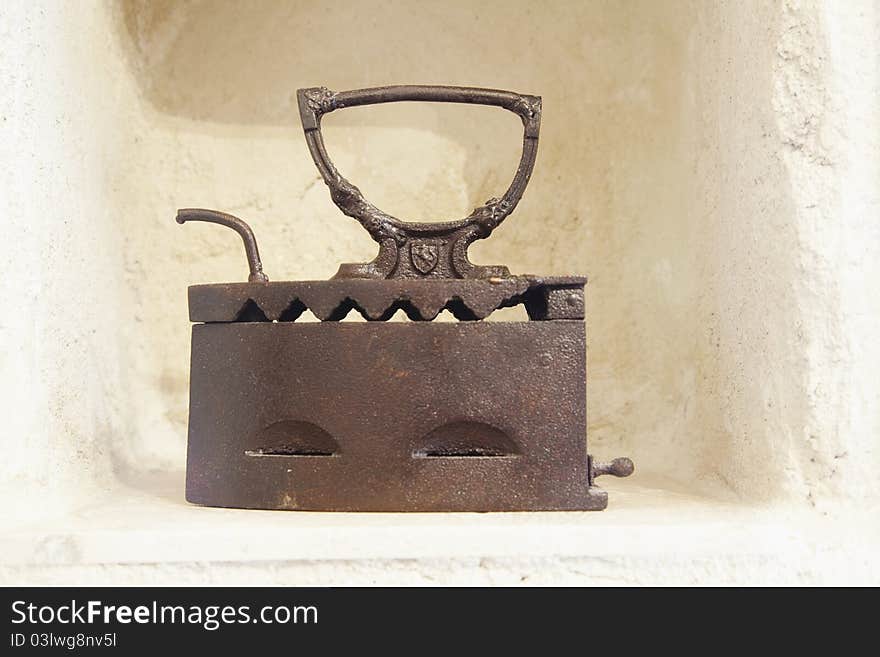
(435, 249)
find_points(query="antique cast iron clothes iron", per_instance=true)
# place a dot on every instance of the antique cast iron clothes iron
(393, 416)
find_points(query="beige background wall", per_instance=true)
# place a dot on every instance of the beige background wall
(712, 167)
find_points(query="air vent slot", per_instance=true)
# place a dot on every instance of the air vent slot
(251, 312)
(291, 438)
(466, 439)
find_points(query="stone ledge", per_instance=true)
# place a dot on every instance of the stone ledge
(146, 534)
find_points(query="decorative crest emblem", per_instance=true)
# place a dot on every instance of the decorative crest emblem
(424, 256)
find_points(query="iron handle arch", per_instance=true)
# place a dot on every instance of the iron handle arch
(315, 102)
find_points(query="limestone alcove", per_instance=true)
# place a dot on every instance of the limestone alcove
(712, 167)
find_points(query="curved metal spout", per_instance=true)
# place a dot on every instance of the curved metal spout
(247, 236)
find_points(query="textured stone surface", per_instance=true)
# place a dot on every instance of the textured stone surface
(713, 167)
(652, 534)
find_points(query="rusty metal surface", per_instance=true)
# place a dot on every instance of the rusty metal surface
(422, 300)
(390, 417)
(418, 416)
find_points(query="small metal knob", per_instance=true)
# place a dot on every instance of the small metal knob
(619, 467)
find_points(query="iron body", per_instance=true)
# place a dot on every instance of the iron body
(416, 416)
(390, 417)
